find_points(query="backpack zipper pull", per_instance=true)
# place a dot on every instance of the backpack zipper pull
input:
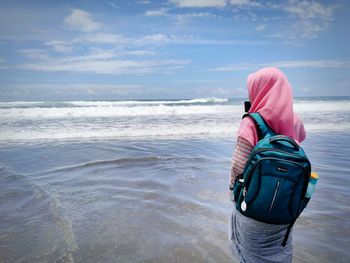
(244, 204)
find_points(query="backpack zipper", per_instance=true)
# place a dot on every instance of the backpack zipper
(254, 152)
(274, 195)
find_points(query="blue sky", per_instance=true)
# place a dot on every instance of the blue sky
(101, 50)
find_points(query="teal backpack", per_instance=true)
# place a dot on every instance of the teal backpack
(275, 179)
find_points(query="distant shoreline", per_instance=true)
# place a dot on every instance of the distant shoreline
(337, 97)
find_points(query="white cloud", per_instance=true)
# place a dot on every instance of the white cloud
(307, 29)
(310, 9)
(312, 18)
(81, 21)
(60, 46)
(156, 12)
(183, 18)
(199, 3)
(95, 40)
(285, 64)
(95, 54)
(139, 52)
(239, 2)
(236, 67)
(35, 54)
(213, 3)
(104, 62)
(101, 38)
(113, 67)
(153, 39)
(307, 18)
(161, 39)
(113, 4)
(144, 2)
(260, 27)
(87, 39)
(310, 64)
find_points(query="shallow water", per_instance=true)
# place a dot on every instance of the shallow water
(151, 200)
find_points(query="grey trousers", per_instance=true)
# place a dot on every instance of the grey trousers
(252, 241)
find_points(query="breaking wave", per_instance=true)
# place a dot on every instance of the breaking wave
(48, 120)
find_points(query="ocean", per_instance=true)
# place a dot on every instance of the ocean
(146, 181)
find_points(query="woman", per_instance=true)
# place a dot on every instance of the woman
(270, 94)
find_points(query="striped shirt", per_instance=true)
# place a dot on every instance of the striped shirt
(240, 158)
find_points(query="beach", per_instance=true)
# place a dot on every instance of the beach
(147, 181)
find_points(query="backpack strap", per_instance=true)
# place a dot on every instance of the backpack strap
(263, 130)
(284, 243)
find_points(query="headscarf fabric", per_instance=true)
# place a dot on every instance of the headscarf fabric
(270, 95)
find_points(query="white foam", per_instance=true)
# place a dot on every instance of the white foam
(322, 106)
(48, 104)
(100, 112)
(180, 130)
(328, 127)
(121, 119)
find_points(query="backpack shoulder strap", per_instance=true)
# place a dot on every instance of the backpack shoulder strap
(263, 130)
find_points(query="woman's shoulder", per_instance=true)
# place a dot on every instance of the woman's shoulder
(247, 130)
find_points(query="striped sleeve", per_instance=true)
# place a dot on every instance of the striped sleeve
(240, 158)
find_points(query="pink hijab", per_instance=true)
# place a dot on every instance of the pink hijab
(270, 94)
(299, 130)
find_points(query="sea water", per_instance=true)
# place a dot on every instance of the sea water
(146, 181)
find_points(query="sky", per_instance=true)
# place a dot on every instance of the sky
(145, 49)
